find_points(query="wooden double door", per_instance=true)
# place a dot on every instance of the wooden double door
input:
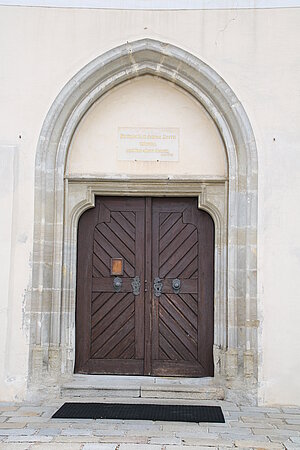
(145, 291)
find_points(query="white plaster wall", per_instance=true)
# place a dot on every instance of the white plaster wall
(13, 360)
(153, 103)
(257, 53)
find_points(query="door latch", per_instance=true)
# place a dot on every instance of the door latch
(117, 284)
(158, 285)
(176, 284)
(136, 285)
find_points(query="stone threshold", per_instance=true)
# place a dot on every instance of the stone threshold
(142, 387)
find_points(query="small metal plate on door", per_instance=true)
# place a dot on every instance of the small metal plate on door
(157, 285)
(116, 267)
(136, 285)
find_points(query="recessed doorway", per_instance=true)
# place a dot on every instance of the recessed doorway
(145, 288)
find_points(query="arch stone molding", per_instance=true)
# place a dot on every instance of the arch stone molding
(59, 201)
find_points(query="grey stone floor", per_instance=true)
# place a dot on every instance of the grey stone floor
(29, 426)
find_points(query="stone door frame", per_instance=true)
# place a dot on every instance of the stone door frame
(59, 201)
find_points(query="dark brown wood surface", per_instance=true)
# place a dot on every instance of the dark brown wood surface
(109, 324)
(125, 334)
(183, 248)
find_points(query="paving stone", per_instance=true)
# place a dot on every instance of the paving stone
(142, 447)
(8, 408)
(12, 425)
(177, 426)
(291, 410)
(33, 419)
(290, 427)
(17, 432)
(256, 444)
(214, 425)
(149, 433)
(15, 446)
(233, 431)
(98, 447)
(124, 439)
(249, 425)
(117, 432)
(49, 431)
(283, 416)
(29, 439)
(76, 432)
(191, 447)
(208, 441)
(280, 439)
(292, 446)
(138, 426)
(165, 440)
(197, 435)
(262, 420)
(53, 446)
(275, 432)
(77, 439)
(23, 413)
(258, 409)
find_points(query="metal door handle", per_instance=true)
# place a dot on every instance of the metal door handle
(136, 285)
(117, 284)
(176, 285)
(157, 285)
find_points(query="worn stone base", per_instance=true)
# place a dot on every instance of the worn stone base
(134, 387)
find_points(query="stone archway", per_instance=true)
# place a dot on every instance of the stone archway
(52, 304)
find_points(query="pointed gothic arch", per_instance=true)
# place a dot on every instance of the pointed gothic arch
(52, 296)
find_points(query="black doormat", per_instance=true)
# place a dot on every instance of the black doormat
(176, 413)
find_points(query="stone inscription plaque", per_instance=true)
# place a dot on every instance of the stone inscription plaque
(148, 144)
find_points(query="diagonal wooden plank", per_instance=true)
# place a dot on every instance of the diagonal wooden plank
(116, 241)
(129, 352)
(195, 274)
(190, 270)
(177, 331)
(183, 324)
(181, 240)
(163, 216)
(112, 329)
(101, 268)
(115, 339)
(115, 252)
(130, 216)
(96, 273)
(124, 223)
(122, 346)
(163, 229)
(98, 301)
(180, 259)
(121, 234)
(191, 302)
(171, 235)
(108, 313)
(167, 348)
(100, 252)
(184, 352)
(183, 308)
(162, 355)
